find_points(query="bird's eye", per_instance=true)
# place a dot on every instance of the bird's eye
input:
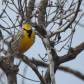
(24, 29)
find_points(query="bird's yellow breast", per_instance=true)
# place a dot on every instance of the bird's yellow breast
(26, 41)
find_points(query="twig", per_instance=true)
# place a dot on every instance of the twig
(3, 28)
(78, 20)
(6, 23)
(62, 46)
(11, 8)
(14, 5)
(68, 25)
(8, 56)
(28, 78)
(45, 60)
(67, 69)
(62, 40)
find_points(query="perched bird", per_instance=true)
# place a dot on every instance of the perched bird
(24, 39)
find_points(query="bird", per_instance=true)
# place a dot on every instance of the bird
(24, 39)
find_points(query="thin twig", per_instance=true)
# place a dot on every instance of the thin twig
(28, 78)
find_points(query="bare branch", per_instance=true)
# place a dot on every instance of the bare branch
(28, 78)
(50, 57)
(30, 8)
(9, 71)
(10, 7)
(3, 28)
(2, 42)
(14, 5)
(73, 52)
(38, 63)
(8, 56)
(40, 29)
(74, 72)
(26, 60)
(21, 12)
(41, 18)
(68, 25)
(42, 12)
(66, 69)
(80, 24)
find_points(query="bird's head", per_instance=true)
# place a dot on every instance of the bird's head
(27, 27)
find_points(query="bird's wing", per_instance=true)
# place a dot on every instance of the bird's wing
(15, 44)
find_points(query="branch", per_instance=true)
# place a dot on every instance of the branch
(10, 72)
(26, 60)
(42, 12)
(27, 78)
(74, 72)
(5, 29)
(68, 25)
(40, 29)
(41, 17)
(38, 63)
(50, 57)
(66, 69)
(8, 56)
(2, 42)
(6, 2)
(3, 11)
(30, 8)
(20, 9)
(15, 5)
(73, 52)
(80, 24)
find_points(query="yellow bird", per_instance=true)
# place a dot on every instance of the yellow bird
(24, 39)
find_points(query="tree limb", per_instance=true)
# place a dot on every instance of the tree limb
(66, 69)
(30, 8)
(74, 72)
(50, 57)
(73, 52)
(10, 72)
(41, 17)
(26, 60)
(42, 12)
